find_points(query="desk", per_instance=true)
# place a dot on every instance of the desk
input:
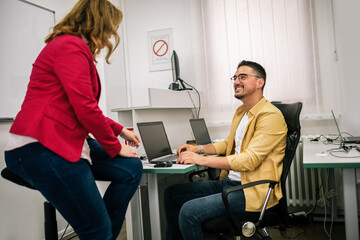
(150, 174)
(315, 156)
(174, 108)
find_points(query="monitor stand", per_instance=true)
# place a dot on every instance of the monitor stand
(178, 86)
(174, 86)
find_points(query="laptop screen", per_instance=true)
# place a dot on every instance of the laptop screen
(154, 139)
(200, 131)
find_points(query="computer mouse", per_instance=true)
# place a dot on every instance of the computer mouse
(163, 164)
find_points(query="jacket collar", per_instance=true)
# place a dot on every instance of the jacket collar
(254, 110)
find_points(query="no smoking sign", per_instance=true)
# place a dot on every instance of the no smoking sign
(160, 47)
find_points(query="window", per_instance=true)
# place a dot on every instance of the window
(283, 36)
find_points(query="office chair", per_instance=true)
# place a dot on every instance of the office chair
(248, 223)
(50, 224)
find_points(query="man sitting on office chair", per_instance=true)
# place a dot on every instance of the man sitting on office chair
(253, 151)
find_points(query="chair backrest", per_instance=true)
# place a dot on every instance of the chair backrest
(291, 113)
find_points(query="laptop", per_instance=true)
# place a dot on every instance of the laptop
(351, 139)
(156, 142)
(200, 131)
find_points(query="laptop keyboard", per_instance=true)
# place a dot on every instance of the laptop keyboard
(172, 158)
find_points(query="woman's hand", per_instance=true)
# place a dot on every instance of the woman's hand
(132, 139)
(126, 151)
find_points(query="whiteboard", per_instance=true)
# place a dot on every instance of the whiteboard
(23, 28)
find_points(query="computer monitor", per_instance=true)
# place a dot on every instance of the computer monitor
(175, 66)
(178, 83)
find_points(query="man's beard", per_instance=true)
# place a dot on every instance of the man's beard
(239, 97)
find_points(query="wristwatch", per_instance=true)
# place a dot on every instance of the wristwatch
(201, 149)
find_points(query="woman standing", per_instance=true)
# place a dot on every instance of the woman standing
(49, 144)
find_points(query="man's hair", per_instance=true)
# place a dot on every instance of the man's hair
(96, 20)
(260, 71)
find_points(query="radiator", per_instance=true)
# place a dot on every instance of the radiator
(301, 182)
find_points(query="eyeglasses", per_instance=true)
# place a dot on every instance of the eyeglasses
(242, 77)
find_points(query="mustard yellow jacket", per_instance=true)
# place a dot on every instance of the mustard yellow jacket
(262, 152)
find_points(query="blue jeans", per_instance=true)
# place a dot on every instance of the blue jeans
(188, 205)
(71, 189)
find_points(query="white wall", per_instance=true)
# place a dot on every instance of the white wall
(348, 41)
(184, 17)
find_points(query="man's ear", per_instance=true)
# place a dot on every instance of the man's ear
(260, 83)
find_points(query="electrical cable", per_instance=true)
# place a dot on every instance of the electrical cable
(198, 113)
(193, 103)
(343, 148)
(328, 139)
(322, 202)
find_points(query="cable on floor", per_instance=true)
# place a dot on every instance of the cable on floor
(322, 202)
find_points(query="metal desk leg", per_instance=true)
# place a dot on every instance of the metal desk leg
(350, 204)
(134, 222)
(154, 206)
(332, 185)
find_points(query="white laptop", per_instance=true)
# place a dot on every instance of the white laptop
(156, 142)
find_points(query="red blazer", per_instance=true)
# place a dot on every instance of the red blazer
(61, 103)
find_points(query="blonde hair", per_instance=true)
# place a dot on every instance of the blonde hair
(96, 20)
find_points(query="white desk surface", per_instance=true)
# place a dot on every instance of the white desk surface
(175, 168)
(317, 155)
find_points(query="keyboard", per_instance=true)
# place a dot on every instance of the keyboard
(171, 158)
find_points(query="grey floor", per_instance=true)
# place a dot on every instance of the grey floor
(299, 231)
(310, 231)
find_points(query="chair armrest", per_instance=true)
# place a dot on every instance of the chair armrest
(226, 192)
(198, 172)
(211, 173)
